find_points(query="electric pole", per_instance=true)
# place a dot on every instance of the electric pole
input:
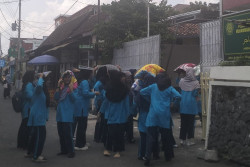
(18, 61)
(97, 39)
(19, 41)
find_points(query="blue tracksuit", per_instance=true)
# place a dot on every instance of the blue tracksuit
(159, 112)
(28, 93)
(188, 104)
(118, 112)
(38, 111)
(83, 99)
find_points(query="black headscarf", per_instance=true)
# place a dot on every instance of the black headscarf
(116, 91)
(163, 81)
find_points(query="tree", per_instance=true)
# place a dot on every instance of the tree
(128, 21)
(197, 5)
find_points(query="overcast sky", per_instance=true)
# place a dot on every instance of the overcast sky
(38, 16)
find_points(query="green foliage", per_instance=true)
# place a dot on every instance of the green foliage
(197, 5)
(128, 21)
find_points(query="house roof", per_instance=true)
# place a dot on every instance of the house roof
(186, 30)
(180, 7)
(80, 23)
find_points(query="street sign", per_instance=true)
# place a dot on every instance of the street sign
(86, 46)
(2, 63)
(236, 36)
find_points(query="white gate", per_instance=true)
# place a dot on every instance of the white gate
(136, 54)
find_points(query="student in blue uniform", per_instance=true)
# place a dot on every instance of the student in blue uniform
(37, 119)
(159, 116)
(143, 107)
(188, 106)
(82, 108)
(101, 77)
(23, 132)
(118, 110)
(65, 112)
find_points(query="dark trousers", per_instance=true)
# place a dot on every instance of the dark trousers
(105, 135)
(23, 134)
(116, 134)
(82, 123)
(98, 128)
(152, 138)
(37, 138)
(129, 129)
(142, 145)
(187, 126)
(65, 136)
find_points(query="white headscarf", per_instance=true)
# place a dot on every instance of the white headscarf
(189, 82)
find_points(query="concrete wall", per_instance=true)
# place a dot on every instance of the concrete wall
(187, 53)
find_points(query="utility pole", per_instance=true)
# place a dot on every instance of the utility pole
(18, 61)
(97, 39)
(19, 41)
(148, 21)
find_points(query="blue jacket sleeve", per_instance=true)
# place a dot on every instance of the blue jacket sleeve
(176, 96)
(72, 97)
(195, 92)
(29, 90)
(85, 90)
(39, 86)
(146, 92)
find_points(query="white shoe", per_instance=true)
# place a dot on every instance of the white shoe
(81, 148)
(183, 142)
(190, 143)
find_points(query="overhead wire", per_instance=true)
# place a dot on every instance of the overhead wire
(62, 15)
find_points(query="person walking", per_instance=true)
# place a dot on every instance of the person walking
(117, 94)
(82, 109)
(37, 119)
(159, 116)
(65, 97)
(188, 106)
(27, 89)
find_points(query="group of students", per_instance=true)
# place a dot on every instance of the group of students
(116, 103)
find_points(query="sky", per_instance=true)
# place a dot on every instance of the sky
(38, 16)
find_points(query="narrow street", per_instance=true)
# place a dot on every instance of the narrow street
(10, 156)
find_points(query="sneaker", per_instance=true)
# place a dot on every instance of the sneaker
(183, 142)
(40, 159)
(82, 148)
(106, 153)
(117, 155)
(28, 155)
(71, 155)
(175, 146)
(190, 143)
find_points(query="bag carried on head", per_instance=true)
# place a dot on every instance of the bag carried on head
(17, 103)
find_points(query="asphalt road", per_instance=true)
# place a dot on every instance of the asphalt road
(10, 156)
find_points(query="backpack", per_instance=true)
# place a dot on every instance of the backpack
(17, 101)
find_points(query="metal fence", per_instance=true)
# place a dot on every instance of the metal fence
(210, 44)
(136, 54)
(204, 82)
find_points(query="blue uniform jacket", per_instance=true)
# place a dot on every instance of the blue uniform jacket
(83, 99)
(38, 111)
(118, 112)
(27, 96)
(159, 112)
(99, 98)
(188, 104)
(65, 107)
